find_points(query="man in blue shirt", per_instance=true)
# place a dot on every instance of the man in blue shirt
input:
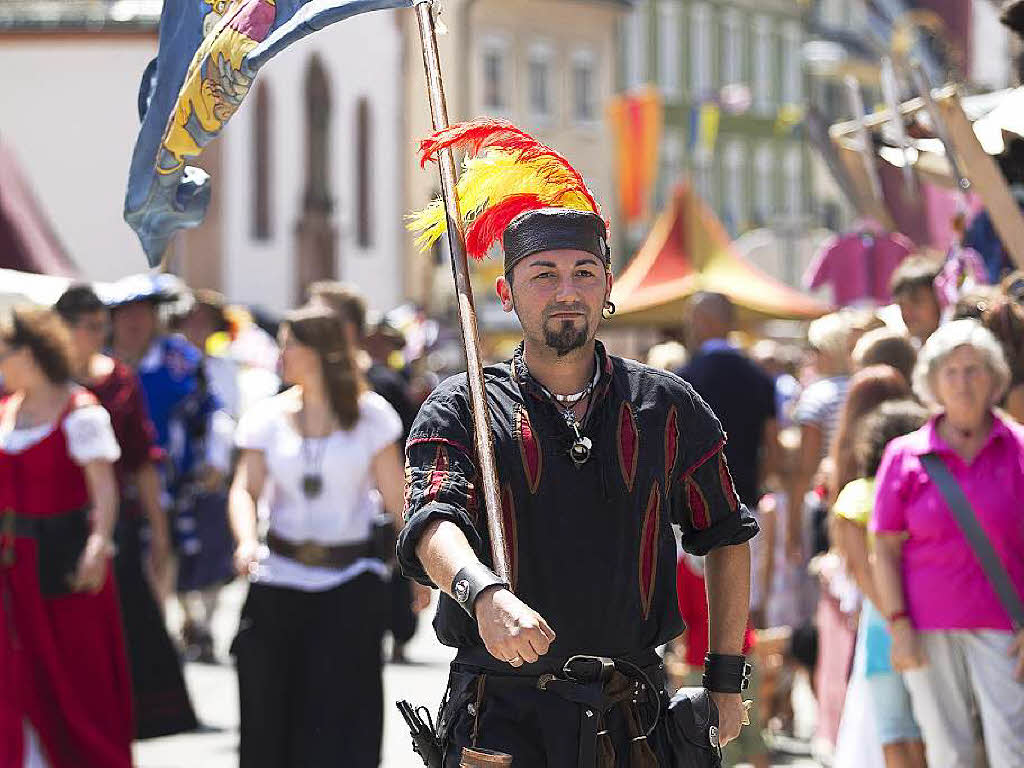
(741, 395)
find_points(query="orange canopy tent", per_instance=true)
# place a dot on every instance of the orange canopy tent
(689, 251)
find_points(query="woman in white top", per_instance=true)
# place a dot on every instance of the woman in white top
(65, 696)
(308, 646)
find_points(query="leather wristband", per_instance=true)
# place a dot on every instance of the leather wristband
(726, 674)
(470, 581)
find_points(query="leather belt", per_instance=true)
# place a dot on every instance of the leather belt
(317, 555)
(23, 527)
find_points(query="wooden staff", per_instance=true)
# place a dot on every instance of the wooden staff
(464, 294)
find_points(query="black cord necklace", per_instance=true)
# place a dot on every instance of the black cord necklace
(312, 450)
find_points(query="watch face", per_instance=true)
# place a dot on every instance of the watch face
(462, 590)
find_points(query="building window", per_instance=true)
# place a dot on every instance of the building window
(670, 53)
(318, 195)
(793, 171)
(364, 174)
(700, 50)
(584, 96)
(734, 204)
(261, 162)
(764, 185)
(637, 42)
(495, 66)
(764, 65)
(734, 48)
(792, 72)
(539, 81)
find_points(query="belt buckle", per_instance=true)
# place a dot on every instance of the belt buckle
(588, 669)
(311, 553)
(7, 522)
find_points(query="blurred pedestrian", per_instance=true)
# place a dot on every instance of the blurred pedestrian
(206, 327)
(885, 346)
(913, 288)
(839, 599)
(1005, 319)
(65, 693)
(349, 305)
(952, 638)
(143, 560)
(896, 729)
(308, 649)
(817, 413)
(196, 436)
(741, 395)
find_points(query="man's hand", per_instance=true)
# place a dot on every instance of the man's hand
(512, 631)
(730, 715)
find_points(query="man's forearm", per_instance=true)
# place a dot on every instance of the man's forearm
(444, 550)
(727, 576)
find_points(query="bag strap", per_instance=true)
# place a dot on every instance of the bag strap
(990, 563)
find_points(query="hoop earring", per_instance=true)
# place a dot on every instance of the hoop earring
(609, 309)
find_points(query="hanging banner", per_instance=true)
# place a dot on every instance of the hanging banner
(636, 122)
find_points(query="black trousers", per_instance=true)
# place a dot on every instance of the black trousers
(309, 676)
(538, 728)
(403, 620)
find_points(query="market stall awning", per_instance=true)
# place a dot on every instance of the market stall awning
(688, 250)
(27, 241)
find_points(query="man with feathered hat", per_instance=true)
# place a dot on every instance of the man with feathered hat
(598, 457)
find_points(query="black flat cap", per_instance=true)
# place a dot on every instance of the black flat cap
(554, 229)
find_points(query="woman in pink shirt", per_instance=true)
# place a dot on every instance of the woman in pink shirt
(951, 637)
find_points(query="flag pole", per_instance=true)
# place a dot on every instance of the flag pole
(464, 293)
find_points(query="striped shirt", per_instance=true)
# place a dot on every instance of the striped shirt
(821, 404)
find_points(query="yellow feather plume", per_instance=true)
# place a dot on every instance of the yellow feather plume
(490, 178)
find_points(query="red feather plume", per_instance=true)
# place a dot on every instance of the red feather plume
(488, 227)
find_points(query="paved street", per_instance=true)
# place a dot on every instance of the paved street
(215, 696)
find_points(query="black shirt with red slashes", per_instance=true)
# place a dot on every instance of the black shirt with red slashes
(591, 548)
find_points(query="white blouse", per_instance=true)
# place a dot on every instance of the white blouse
(89, 434)
(343, 511)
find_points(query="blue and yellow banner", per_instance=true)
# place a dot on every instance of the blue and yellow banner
(209, 53)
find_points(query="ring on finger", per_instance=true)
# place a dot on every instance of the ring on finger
(516, 660)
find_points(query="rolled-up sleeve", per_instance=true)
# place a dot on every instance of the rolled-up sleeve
(703, 498)
(439, 476)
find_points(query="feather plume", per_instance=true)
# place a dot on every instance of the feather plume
(506, 173)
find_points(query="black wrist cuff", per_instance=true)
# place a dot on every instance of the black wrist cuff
(470, 582)
(726, 674)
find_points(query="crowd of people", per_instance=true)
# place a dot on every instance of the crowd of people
(153, 448)
(866, 583)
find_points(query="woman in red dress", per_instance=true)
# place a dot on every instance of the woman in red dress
(65, 693)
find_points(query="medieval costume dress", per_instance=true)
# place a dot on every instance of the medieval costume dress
(65, 693)
(162, 705)
(194, 432)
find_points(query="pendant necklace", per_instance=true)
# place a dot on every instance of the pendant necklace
(312, 460)
(582, 445)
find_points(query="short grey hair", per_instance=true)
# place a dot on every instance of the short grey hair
(946, 340)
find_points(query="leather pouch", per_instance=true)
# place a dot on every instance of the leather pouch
(693, 729)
